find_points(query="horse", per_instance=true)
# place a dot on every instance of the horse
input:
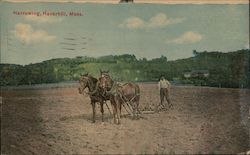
(120, 94)
(95, 94)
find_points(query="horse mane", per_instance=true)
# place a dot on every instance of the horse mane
(112, 81)
(93, 79)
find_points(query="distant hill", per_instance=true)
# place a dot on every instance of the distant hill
(230, 69)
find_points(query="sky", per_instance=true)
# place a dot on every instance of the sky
(145, 30)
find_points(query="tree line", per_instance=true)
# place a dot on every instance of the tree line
(231, 70)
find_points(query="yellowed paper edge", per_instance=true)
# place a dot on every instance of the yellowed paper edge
(143, 1)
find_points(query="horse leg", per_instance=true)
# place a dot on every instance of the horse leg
(113, 104)
(102, 110)
(93, 108)
(137, 100)
(137, 110)
(119, 112)
(134, 110)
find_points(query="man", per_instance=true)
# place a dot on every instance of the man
(164, 87)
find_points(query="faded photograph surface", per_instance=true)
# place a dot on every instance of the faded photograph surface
(124, 78)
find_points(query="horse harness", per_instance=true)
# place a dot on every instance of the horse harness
(115, 91)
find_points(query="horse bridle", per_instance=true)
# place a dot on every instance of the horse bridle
(86, 84)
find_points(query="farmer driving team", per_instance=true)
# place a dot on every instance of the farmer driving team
(164, 87)
(128, 93)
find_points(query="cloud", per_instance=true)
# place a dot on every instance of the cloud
(26, 34)
(133, 23)
(187, 38)
(159, 20)
(42, 19)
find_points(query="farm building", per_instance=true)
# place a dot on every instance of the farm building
(196, 73)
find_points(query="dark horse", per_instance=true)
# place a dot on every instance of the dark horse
(120, 94)
(87, 81)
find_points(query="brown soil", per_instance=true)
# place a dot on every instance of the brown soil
(59, 121)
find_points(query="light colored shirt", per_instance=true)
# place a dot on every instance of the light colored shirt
(164, 84)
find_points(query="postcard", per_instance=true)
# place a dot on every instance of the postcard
(125, 77)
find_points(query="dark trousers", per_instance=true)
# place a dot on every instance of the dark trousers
(164, 93)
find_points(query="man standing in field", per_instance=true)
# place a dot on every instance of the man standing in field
(164, 87)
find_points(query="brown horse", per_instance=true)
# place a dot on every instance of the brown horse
(95, 94)
(120, 94)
